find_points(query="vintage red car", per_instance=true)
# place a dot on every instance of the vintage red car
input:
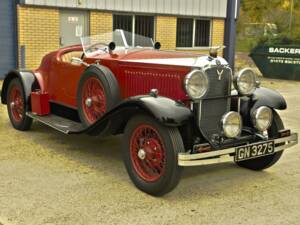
(175, 109)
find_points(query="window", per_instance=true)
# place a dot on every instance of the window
(192, 33)
(144, 25)
(136, 24)
(123, 22)
(202, 33)
(185, 32)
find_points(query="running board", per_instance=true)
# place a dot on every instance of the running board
(61, 124)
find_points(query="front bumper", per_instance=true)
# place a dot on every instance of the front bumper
(227, 155)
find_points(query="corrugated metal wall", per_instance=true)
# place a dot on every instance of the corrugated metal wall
(8, 39)
(205, 8)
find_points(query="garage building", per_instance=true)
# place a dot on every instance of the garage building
(45, 25)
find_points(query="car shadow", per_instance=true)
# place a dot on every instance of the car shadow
(104, 154)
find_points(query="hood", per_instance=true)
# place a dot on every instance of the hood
(171, 58)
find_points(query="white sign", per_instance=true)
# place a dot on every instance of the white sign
(79, 31)
(73, 19)
(292, 51)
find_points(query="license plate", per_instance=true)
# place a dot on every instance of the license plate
(254, 150)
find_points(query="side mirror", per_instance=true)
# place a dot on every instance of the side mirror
(157, 45)
(78, 61)
(112, 46)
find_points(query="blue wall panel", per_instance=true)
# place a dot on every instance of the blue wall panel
(8, 40)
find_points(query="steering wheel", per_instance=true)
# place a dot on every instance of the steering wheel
(90, 48)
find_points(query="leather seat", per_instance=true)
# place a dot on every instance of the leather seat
(67, 57)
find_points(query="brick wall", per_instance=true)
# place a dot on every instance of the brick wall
(166, 32)
(218, 27)
(100, 22)
(38, 30)
(218, 32)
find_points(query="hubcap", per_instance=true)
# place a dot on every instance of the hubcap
(93, 100)
(88, 102)
(142, 154)
(147, 153)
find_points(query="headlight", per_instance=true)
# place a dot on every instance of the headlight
(262, 118)
(232, 124)
(196, 84)
(245, 82)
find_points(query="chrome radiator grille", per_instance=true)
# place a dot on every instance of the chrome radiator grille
(216, 103)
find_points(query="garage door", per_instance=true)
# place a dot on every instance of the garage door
(7, 36)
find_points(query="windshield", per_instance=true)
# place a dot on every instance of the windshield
(98, 44)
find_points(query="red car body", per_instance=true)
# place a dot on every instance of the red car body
(175, 109)
(60, 79)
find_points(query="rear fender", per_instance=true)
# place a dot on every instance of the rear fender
(165, 110)
(27, 79)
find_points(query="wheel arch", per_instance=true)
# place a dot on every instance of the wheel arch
(261, 97)
(167, 111)
(28, 81)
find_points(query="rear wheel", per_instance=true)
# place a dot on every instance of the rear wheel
(17, 106)
(265, 162)
(150, 154)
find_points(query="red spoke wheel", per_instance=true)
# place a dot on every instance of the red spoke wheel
(147, 153)
(16, 106)
(93, 99)
(98, 92)
(151, 154)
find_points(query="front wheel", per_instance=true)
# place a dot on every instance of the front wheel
(150, 153)
(265, 162)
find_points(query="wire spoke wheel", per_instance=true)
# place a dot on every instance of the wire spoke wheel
(147, 153)
(150, 153)
(16, 104)
(93, 99)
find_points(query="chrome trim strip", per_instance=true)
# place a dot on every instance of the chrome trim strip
(187, 159)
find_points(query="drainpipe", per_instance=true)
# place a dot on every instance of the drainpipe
(233, 9)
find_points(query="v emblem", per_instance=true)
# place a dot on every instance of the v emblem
(220, 73)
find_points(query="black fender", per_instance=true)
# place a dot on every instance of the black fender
(27, 79)
(261, 97)
(165, 110)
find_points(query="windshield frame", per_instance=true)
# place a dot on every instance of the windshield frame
(119, 36)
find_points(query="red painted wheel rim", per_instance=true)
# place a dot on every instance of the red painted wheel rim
(145, 139)
(16, 104)
(93, 100)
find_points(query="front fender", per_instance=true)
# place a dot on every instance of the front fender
(261, 97)
(268, 97)
(165, 110)
(27, 79)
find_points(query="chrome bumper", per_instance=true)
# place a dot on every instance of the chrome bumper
(227, 155)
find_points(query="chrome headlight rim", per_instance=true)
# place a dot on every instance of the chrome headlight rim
(238, 78)
(225, 120)
(187, 80)
(257, 116)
